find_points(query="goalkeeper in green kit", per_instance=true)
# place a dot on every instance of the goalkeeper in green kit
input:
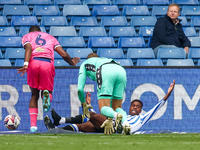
(111, 83)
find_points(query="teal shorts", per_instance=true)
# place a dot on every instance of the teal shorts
(111, 81)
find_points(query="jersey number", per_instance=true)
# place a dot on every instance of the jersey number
(40, 41)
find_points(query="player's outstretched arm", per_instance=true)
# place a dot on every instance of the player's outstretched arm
(170, 89)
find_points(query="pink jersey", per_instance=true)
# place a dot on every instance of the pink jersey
(43, 44)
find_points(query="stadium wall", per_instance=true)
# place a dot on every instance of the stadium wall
(179, 114)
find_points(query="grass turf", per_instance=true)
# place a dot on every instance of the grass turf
(189, 141)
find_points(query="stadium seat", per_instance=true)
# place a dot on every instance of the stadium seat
(79, 52)
(10, 2)
(92, 31)
(46, 10)
(48, 21)
(190, 10)
(159, 10)
(170, 53)
(195, 22)
(25, 30)
(198, 64)
(9, 10)
(140, 53)
(7, 31)
(60, 62)
(14, 53)
(194, 41)
(3, 21)
(5, 62)
(146, 31)
(127, 42)
(122, 31)
(19, 62)
(189, 31)
(138, 10)
(124, 62)
(71, 42)
(96, 2)
(149, 62)
(81, 61)
(108, 21)
(40, 2)
(156, 2)
(180, 62)
(24, 20)
(105, 10)
(115, 53)
(186, 2)
(10, 41)
(100, 42)
(184, 21)
(67, 2)
(194, 54)
(126, 2)
(83, 21)
(62, 31)
(1, 56)
(76, 10)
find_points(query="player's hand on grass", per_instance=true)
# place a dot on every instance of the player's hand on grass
(86, 108)
(108, 126)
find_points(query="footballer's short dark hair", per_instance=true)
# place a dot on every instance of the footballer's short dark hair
(34, 28)
(137, 100)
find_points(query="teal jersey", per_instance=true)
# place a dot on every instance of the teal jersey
(88, 69)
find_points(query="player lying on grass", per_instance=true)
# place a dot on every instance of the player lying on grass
(80, 123)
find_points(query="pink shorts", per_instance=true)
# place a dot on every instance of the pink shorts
(40, 74)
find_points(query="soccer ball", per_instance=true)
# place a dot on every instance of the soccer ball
(11, 122)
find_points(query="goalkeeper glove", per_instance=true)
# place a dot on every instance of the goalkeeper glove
(108, 126)
(86, 108)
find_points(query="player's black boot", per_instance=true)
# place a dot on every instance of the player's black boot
(56, 117)
(48, 123)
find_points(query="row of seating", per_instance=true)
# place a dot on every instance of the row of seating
(97, 10)
(132, 54)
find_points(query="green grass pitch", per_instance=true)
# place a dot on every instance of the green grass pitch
(167, 141)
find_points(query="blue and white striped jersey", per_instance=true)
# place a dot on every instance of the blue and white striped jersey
(137, 121)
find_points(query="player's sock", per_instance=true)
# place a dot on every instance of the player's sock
(107, 111)
(71, 127)
(121, 111)
(76, 119)
(51, 97)
(33, 116)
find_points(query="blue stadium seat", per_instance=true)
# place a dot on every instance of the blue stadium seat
(156, 2)
(60, 62)
(5, 62)
(122, 31)
(62, 31)
(7, 31)
(11, 2)
(48, 21)
(186, 2)
(10, 41)
(184, 21)
(100, 42)
(146, 31)
(1, 56)
(195, 22)
(127, 42)
(189, 31)
(19, 62)
(67, 2)
(24, 20)
(81, 61)
(143, 20)
(190, 10)
(105, 10)
(92, 31)
(180, 62)
(194, 41)
(71, 42)
(108, 21)
(83, 21)
(25, 30)
(3, 21)
(96, 2)
(9, 10)
(46, 10)
(126, 2)
(198, 64)
(14, 53)
(170, 53)
(159, 10)
(138, 10)
(124, 62)
(149, 62)
(194, 54)
(40, 2)
(79, 52)
(115, 53)
(140, 53)
(76, 10)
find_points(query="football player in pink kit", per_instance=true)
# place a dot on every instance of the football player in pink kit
(39, 65)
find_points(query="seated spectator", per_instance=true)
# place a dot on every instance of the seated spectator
(168, 31)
